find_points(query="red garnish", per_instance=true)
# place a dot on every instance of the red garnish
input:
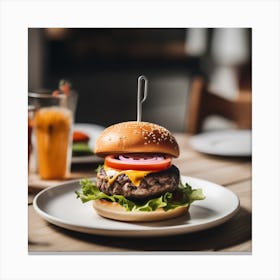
(79, 136)
(65, 87)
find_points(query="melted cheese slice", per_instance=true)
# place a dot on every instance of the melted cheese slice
(135, 176)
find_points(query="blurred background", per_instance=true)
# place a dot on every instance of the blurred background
(103, 65)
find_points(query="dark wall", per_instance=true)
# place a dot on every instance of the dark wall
(104, 64)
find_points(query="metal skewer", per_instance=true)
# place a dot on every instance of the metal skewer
(140, 100)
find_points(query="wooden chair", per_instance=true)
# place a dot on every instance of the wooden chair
(203, 103)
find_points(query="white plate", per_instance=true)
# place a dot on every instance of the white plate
(224, 143)
(93, 131)
(59, 206)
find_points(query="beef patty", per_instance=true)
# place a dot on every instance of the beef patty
(152, 185)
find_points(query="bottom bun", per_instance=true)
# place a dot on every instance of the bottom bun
(114, 211)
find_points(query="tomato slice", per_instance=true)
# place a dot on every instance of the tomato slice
(138, 162)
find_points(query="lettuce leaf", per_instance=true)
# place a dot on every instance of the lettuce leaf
(185, 196)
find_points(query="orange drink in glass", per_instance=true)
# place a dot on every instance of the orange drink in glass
(53, 136)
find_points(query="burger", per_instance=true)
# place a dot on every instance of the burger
(138, 181)
(80, 144)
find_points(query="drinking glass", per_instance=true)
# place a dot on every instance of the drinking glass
(30, 131)
(53, 125)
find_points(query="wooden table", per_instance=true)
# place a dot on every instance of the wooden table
(232, 236)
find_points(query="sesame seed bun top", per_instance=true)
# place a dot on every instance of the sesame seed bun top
(136, 137)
